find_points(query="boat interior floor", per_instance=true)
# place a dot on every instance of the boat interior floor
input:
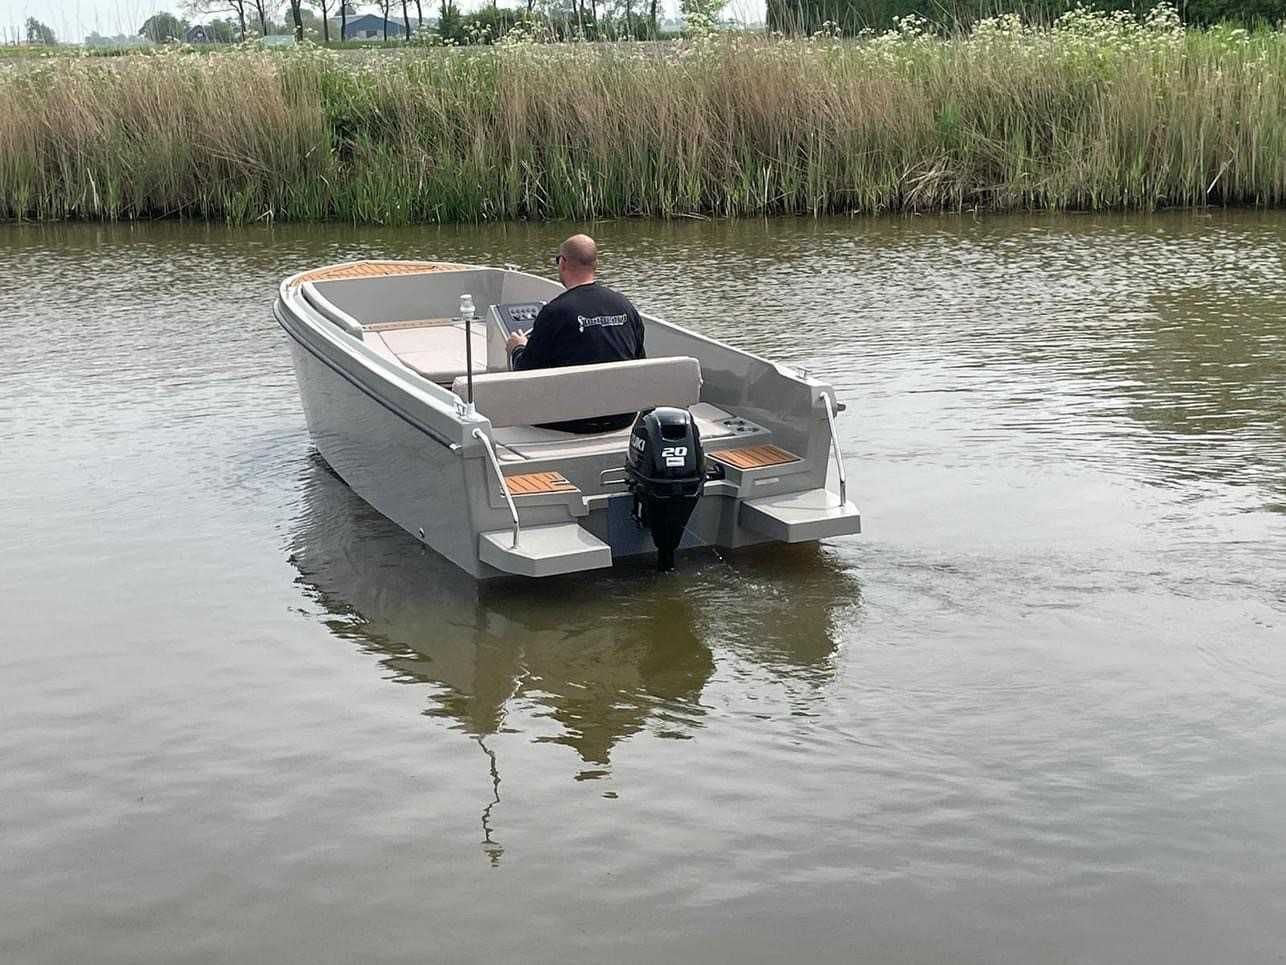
(435, 349)
(518, 443)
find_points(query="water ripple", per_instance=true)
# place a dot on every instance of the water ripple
(1036, 704)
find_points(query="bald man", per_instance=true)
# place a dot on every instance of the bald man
(587, 323)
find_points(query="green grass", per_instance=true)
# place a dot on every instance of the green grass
(1095, 112)
(12, 52)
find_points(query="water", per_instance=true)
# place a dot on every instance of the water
(1033, 714)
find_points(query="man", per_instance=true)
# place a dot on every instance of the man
(587, 323)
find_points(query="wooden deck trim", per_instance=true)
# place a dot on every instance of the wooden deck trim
(376, 269)
(409, 323)
(754, 457)
(538, 483)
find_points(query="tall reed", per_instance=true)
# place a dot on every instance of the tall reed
(1096, 111)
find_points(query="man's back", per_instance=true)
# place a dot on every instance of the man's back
(583, 326)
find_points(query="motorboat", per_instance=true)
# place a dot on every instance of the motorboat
(409, 398)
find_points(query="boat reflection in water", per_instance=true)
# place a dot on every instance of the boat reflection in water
(599, 656)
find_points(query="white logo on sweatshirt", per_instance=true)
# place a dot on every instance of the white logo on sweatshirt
(600, 321)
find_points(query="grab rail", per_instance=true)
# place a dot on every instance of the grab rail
(839, 456)
(495, 464)
(328, 311)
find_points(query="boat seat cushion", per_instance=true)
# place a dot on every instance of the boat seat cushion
(436, 351)
(583, 391)
(376, 344)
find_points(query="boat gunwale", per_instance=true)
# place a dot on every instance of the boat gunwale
(296, 280)
(383, 371)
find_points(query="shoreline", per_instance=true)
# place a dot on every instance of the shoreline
(1096, 113)
(977, 213)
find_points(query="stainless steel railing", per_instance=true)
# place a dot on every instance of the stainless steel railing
(839, 456)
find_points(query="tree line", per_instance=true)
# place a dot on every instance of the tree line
(231, 20)
(622, 19)
(851, 16)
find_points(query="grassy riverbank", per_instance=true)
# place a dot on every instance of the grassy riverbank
(1095, 112)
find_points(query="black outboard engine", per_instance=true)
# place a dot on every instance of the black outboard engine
(665, 470)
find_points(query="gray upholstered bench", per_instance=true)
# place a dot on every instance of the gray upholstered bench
(583, 391)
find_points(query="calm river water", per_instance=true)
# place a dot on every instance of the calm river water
(1036, 713)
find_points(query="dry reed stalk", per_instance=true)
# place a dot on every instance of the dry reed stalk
(1087, 114)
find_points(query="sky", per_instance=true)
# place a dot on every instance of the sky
(71, 20)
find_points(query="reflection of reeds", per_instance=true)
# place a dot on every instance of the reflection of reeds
(1088, 115)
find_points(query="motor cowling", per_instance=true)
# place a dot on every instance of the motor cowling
(665, 471)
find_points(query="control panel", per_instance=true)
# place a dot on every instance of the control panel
(517, 317)
(506, 319)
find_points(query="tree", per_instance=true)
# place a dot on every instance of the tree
(236, 7)
(345, 11)
(95, 39)
(384, 6)
(406, 20)
(805, 16)
(260, 8)
(215, 32)
(449, 19)
(163, 26)
(40, 33)
(1248, 12)
(700, 11)
(297, 17)
(221, 31)
(324, 5)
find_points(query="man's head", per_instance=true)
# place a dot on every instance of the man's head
(577, 260)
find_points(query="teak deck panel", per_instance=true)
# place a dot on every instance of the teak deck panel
(409, 323)
(754, 457)
(536, 483)
(376, 269)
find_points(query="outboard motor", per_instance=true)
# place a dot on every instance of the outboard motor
(665, 470)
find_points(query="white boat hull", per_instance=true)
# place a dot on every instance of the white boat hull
(408, 448)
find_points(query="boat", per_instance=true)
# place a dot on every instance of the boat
(407, 393)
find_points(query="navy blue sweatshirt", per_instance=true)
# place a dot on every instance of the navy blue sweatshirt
(583, 326)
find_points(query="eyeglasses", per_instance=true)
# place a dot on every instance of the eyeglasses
(558, 258)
